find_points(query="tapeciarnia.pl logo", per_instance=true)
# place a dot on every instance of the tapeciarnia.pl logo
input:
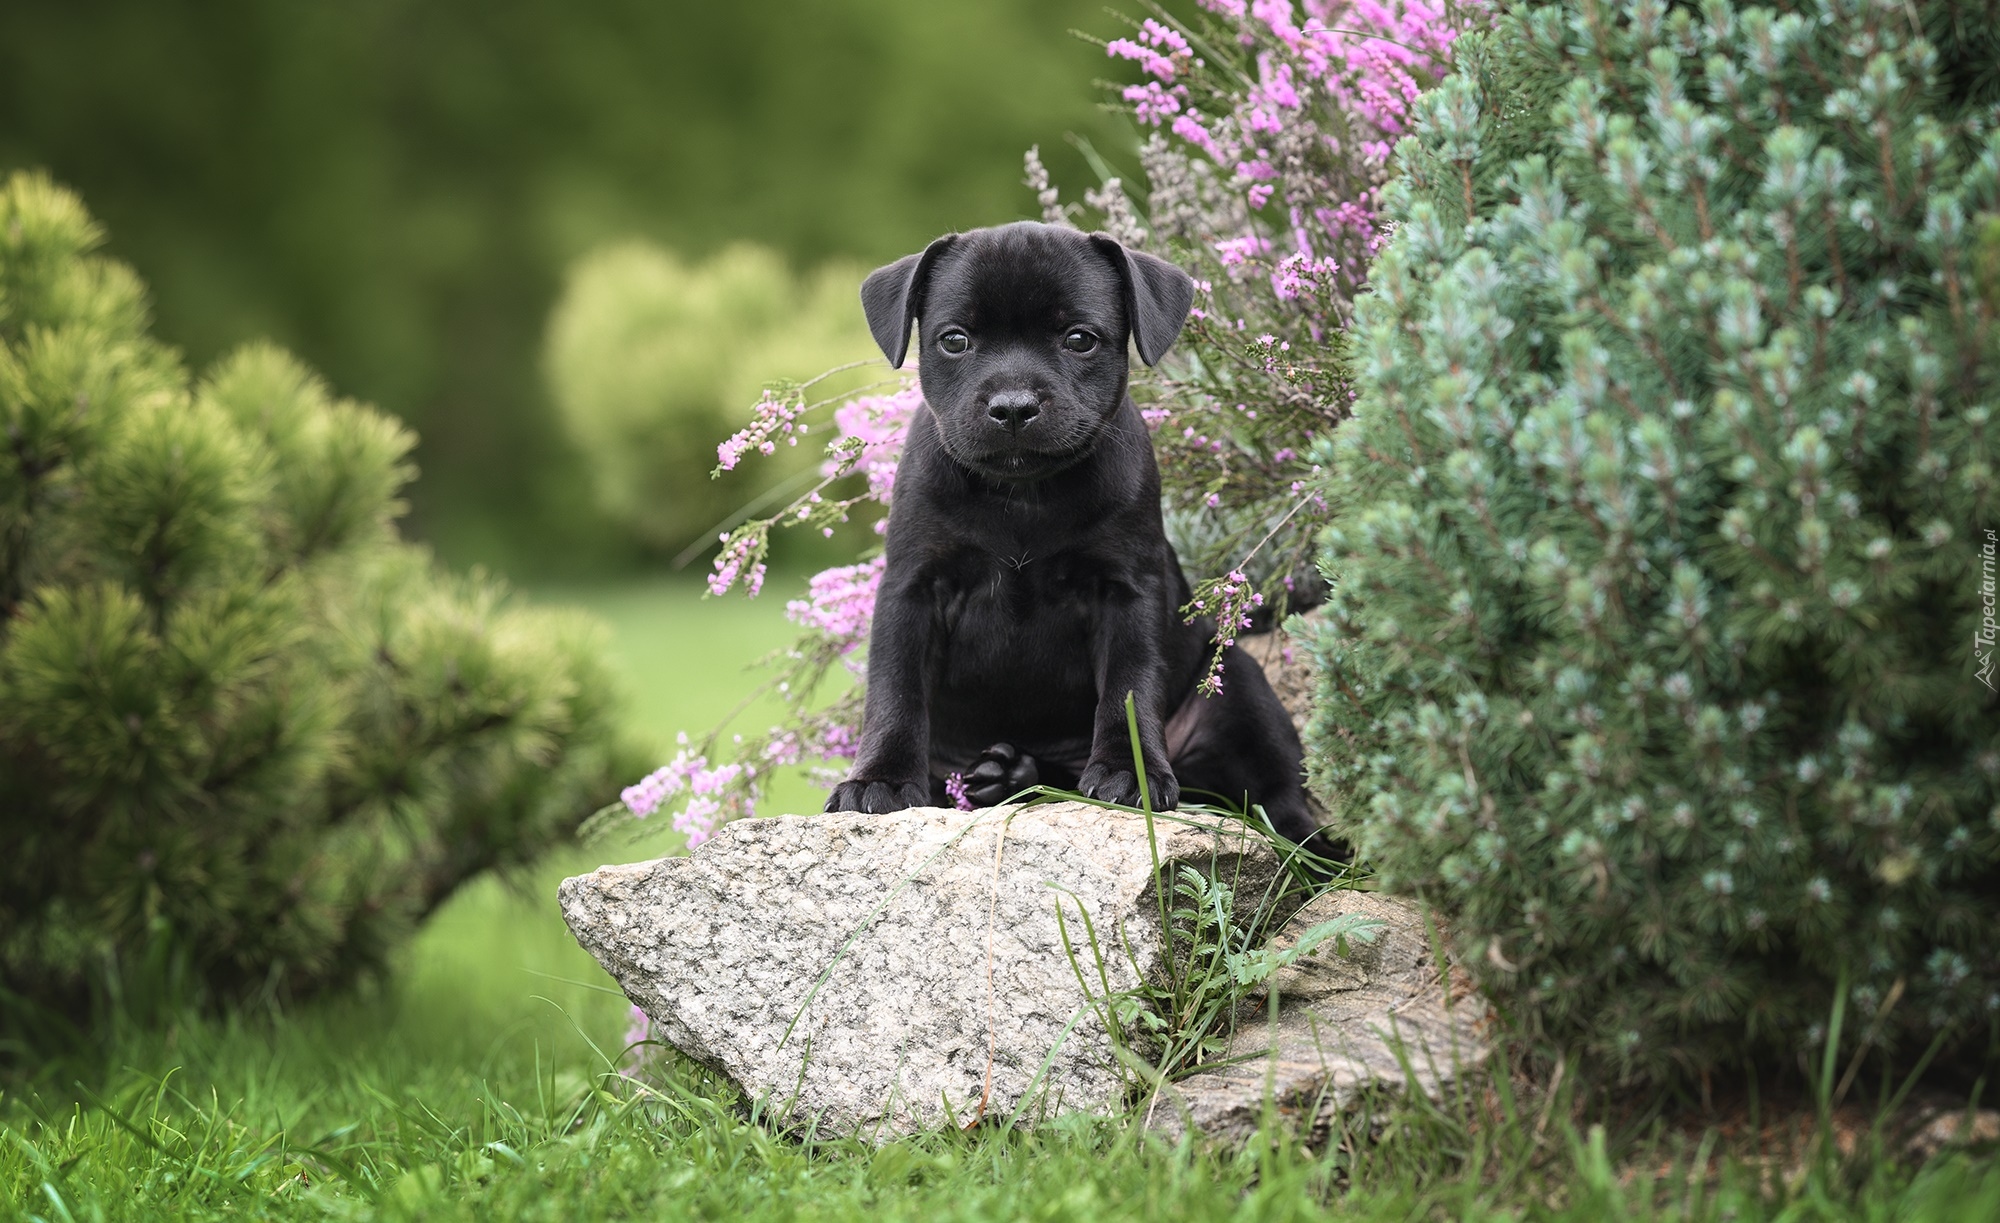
(1983, 637)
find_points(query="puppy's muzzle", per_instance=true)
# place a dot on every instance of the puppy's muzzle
(1013, 410)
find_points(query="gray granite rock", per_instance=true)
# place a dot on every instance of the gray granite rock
(866, 974)
(1345, 1025)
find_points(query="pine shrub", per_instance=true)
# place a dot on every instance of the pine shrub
(247, 735)
(1665, 533)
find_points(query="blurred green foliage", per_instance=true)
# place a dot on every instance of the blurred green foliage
(392, 189)
(651, 361)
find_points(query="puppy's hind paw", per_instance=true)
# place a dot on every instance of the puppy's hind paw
(1111, 784)
(878, 797)
(1002, 772)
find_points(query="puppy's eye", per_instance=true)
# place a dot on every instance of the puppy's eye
(1079, 340)
(954, 342)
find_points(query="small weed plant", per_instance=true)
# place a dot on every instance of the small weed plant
(1215, 934)
(1218, 962)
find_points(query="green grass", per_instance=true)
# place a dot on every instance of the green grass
(472, 1084)
(686, 659)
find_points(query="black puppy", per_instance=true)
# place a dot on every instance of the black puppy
(1029, 584)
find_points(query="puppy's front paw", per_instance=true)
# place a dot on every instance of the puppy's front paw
(1002, 772)
(1115, 785)
(878, 797)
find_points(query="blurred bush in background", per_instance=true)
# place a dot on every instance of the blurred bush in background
(248, 736)
(392, 190)
(651, 361)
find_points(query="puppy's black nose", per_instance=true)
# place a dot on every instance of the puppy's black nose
(1012, 410)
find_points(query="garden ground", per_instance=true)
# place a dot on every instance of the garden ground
(472, 1084)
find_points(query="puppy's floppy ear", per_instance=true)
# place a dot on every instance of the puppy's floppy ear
(1157, 296)
(893, 297)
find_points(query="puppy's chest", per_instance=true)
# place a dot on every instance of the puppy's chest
(1020, 586)
(1009, 608)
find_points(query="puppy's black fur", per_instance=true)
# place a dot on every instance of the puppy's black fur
(1029, 583)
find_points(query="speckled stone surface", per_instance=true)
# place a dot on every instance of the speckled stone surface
(837, 966)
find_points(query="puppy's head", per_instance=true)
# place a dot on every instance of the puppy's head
(1022, 330)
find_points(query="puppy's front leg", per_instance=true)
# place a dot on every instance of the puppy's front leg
(892, 768)
(1130, 659)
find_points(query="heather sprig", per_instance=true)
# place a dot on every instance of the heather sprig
(868, 440)
(1272, 133)
(780, 415)
(714, 780)
(1272, 129)
(1230, 599)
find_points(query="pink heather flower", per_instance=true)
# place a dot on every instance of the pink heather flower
(708, 791)
(1237, 251)
(644, 796)
(1274, 87)
(1188, 127)
(733, 562)
(1349, 216)
(1152, 104)
(1159, 50)
(954, 788)
(1235, 598)
(840, 603)
(783, 748)
(1298, 275)
(1367, 59)
(697, 820)
(638, 1031)
(1277, 14)
(838, 742)
(775, 416)
(877, 424)
(1168, 39)
(1289, 281)
(1150, 61)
